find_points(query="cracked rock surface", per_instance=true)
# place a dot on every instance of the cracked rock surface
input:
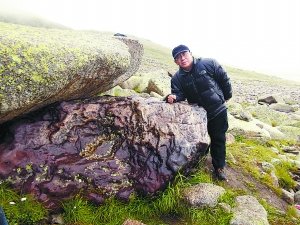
(101, 147)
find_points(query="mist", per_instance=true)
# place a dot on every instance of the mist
(261, 36)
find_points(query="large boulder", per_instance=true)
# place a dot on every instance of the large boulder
(40, 66)
(101, 147)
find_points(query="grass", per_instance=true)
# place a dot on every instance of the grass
(273, 118)
(229, 197)
(247, 75)
(276, 217)
(209, 216)
(149, 210)
(284, 178)
(250, 154)
(20, 209)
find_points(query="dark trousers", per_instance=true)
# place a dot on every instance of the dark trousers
(217, 128)
(3, 220)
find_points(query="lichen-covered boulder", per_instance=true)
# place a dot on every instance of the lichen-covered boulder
(40, 66)
(157, 81)
(101, 147)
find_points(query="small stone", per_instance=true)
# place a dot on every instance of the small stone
(57, 219)
(297, 198)
(203, 194)
(287, 196)
(132, 222)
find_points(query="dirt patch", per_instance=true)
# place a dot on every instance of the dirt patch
(238, 180)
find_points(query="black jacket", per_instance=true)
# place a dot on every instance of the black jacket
(207, 84)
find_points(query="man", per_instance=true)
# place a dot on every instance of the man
(205, 82)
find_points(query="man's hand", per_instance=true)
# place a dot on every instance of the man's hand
(171, 98)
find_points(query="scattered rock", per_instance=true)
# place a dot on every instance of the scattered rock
(274, 179)
(267, 99)
(203, 194)
(119, 35)
(57, 219)
(132, 222)
(287, 196)
(230, 139)
(297, 198)
(249, 211)
(267, 167)
(160, 83)
(280, 107)
(247, 129)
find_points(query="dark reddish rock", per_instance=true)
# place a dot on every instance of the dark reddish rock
(101, 147)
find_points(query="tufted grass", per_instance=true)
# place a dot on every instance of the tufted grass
(284, 178)
(209, 216)
(276, 217)
(149, 210)
(251, 153)
(20, 209)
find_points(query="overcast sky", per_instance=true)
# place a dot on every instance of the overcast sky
(259, 35)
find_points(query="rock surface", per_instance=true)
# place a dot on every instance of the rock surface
(132, 222)
(203, 195)
(249, 211)
(101, 147)
(40, 66)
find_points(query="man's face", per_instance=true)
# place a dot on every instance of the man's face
(184, 60)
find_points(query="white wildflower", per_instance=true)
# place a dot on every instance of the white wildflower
(23, 199)
(12, 203)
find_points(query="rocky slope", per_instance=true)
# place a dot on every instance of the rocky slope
(261, 108)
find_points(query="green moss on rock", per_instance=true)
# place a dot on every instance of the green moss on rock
(37, 63)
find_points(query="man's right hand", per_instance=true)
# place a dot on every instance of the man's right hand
(171, 98)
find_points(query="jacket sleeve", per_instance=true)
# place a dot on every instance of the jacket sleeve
(176, 89)
(221, 77)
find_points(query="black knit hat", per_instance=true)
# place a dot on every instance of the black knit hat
(179, 49)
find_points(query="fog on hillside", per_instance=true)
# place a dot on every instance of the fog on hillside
(8, 14)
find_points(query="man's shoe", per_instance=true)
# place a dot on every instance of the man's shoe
(220, 174)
